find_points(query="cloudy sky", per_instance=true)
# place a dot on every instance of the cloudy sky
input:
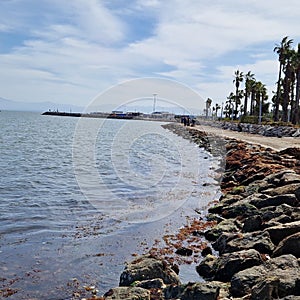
(69, 51)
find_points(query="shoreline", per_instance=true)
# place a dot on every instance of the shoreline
(254, 227)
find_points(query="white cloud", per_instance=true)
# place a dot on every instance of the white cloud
(77, 48)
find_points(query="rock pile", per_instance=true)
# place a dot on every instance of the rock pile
(257, 234)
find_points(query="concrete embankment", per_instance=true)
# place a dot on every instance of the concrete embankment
(253, 230)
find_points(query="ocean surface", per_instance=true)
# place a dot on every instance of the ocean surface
(79, 197)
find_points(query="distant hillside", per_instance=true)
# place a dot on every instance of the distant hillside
(6, 104)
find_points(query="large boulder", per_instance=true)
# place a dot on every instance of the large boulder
(289, 245)
(145, 268)
(285, 267)
(289, 199)
(206, 268)
(259, 241)
(279, 232)
(230, 263)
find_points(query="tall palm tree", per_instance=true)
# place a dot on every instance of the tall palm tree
(296, 68)
(249, 80)
(239, 77)
(208, 106)
(281, 50)
(261, 95)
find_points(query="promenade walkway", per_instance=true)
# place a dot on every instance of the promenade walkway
(269, 142)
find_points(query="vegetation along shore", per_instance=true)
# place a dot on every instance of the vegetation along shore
(248, 242)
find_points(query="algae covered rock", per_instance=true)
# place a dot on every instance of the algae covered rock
(146, 267)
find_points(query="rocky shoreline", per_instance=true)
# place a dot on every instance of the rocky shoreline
(254, 228)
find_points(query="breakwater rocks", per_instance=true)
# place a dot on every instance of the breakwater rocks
(256, 234)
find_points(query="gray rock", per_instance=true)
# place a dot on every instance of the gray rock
(230, 263)
(259, 241)
(127, 293)
(147, 268)
(150, 284)
(267, 289)
(285, 267)
(286, 189)
(289, 245)
(278, 233)
(289, 199)
(199, 290)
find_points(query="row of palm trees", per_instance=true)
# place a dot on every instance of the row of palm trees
(288, 84)
(252, 99)
(249, 101)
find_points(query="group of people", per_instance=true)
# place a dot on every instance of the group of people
(188, 121)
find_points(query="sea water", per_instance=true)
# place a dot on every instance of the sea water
(79, 197)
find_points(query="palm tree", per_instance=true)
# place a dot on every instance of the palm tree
(261, 95)
(249, 80)
(281, 50)
(296, 69)
(208, 105)
(229, 105)
(239, 77)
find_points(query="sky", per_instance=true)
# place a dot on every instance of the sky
(72, 51)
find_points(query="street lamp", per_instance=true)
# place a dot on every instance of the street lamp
(154, 101)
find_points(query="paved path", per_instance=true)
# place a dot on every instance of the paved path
(271, 142)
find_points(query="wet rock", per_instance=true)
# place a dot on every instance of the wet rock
(184, 251)
(127, 293)
(147, 268)
(230, 263)
(206, 251)
(285, 267)
(199, 290)
(289, 245)
(221, 243)
(206, 268)
(278, 233)
(224, 226)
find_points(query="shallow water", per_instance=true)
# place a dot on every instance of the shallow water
(79, 197)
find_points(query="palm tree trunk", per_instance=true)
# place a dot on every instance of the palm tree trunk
(276, 108)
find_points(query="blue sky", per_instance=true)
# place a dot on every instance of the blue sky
(70, 51)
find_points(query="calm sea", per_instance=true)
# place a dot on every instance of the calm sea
(79, 197)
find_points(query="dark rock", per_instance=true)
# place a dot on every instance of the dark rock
(289, 245)
(199, 290)
(150, 284)
(184, 251)
(145, 268)
(252, 223)
(221, 243)
(230, 263)
(224, 226)
(239, 210)
(207, 250)
(289, 199)
(259, 241)
(127, 293)
(286, 189)
(278, 233)
(267, 289)
(285, 267)
(206, 268)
